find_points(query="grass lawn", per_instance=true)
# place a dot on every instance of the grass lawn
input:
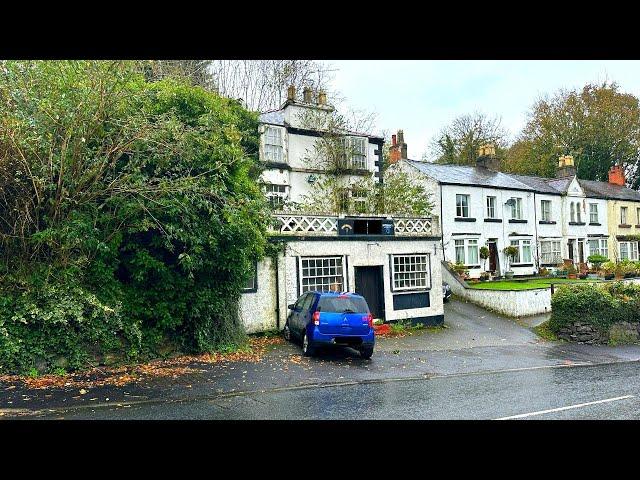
(524, 284)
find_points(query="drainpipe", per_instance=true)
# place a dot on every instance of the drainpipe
(277, 297)
(535, 226)
(444, 256)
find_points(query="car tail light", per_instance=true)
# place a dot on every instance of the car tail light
(369, 319)
(316, 318)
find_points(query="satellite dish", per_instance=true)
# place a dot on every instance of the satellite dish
(511, 202)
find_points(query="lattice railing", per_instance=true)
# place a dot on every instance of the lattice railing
(416, 226)
(312, 224)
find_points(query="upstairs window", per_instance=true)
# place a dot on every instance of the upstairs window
(273, 145)
(578, 212)
(573, 212)
(545, 207)
(516, 208)
(355, 153)
(638, 215)
(359, 200)
(462, 206)
(491, 207)
(276, 195)
(623, 215)
(593, 213)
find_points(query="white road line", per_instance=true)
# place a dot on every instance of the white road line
(579, 405)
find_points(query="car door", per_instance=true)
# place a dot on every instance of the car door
(295, 313)
(305, 312)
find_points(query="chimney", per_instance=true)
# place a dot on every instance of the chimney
(307, 95)
(402, 144)
(566, 167)
(322, 97)
(616, 175)
(394, 150)
(487, 157)
(291, 93)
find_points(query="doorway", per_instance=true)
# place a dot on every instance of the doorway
(570, 247)
(580, 251)
(493, 256)
(369, 284)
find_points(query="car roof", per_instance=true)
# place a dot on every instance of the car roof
(337, 294)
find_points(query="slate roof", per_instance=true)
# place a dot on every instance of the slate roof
(475, 176)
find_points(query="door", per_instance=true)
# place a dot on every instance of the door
(369, 284)
(294, 320)
(581, 251)
(570, 247)
(493, 256)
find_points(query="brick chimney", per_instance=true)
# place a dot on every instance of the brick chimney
(307, 95)
(487, 157)
(566, 167)
(322, 97)
(616, 175)
(402, 144)
(291, 93)
(394, 150)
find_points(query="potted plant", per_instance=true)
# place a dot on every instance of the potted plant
(608, 270)
(511, 252)
(460, 269)
(484, 276)
(572, 273)
(543, 272)
(596, 262)
(484, 254)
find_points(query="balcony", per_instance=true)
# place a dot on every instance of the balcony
(343, 225)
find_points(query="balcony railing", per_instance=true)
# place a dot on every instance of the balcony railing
(327, 225)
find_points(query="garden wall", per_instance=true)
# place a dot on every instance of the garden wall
(513, 303)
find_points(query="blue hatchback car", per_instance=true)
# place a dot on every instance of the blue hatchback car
(329, 319)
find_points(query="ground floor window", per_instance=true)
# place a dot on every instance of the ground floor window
(628, 250)
(467, 251)
(410, 272)
(322, 274)
(524, 251)
(252, 282)
(550, 252)
(598, 246)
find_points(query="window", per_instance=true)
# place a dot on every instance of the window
(252, 281)
(321, 274)
(410, 272)
(342, 199)
(593, 213)
(273, 144)
(516, 209)
(467, 251)
(628, 250)
(638, 215)
(573, 212)
(578, 212)
(276, 194)
(359, 199)
(524, 251)
(623, 215)
(462, 206)
(491, 207)
(545, 206)
(550, 253)
(598, 246)
(358, 153)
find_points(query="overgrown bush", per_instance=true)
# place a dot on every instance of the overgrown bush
(133, 203)
(600, 305)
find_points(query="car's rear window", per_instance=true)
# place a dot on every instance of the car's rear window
(342, 304)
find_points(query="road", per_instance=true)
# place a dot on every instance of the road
(482, 367)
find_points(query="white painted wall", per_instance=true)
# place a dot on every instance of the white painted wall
(258, 309)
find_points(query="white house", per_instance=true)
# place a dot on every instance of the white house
(394, 262)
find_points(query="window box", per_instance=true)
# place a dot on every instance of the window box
(493, 220)
(464, 219)
(515, 220)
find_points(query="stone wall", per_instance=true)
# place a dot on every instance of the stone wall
(623, 332)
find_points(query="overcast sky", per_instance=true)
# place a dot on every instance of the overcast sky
(421, 96)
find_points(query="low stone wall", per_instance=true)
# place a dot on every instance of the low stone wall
(623, 332)
(513, 303)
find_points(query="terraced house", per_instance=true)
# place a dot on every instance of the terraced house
(393, 261)
(548, 220)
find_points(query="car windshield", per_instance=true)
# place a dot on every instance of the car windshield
(341, 304)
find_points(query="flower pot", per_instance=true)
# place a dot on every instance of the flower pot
(572, 276)
(508, 274)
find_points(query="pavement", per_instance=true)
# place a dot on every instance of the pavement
(482, 365)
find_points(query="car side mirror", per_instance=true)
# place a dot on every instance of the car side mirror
(291, 306)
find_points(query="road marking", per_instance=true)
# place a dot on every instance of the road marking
(579, 405)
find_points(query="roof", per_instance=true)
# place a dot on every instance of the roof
(476, 176)
(465, 175)
(609, 190)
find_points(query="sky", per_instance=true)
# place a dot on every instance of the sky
(421, 97)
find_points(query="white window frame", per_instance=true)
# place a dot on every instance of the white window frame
(467, 244)
(545, 214)
(282, 193)
(410, 272)
(516, 208)
(358, 153)
(520, 245)
(601, 247)
(578, 212)
(624, 213)
(638, 215)
(550, 252)
(324, 267)
(572, 218)
(252, 282)
(491, 206)
(631, 248)
(461, 206)
(593, 213)
(273, 144)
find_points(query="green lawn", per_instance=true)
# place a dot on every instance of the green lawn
(523, 284)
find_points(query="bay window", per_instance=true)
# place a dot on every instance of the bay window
(628, 250)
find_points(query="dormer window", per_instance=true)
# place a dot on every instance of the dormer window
(273, 151)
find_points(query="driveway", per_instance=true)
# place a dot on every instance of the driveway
(475, 342)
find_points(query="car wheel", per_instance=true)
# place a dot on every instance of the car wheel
(287, 332)
(307, 348)
(366, 352)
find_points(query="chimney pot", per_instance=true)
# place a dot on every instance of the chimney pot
(291, 93)
(487, 157)
(566, 166)
(400, 136)
(307, 95)
(322, 98)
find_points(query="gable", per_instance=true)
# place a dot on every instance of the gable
(574, 189)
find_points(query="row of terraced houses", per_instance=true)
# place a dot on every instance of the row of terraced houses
(395, 261)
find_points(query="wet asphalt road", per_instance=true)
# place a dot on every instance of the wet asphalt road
(482, 367)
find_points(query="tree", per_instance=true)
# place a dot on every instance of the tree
(458, 143)
(599, 125)
(196, 72)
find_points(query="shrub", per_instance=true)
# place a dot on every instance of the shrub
(596, 260)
